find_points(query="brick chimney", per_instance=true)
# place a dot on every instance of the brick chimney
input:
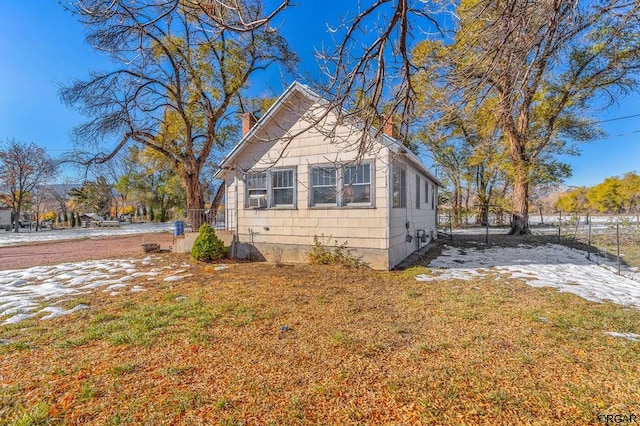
(248, 121)
(387, 127)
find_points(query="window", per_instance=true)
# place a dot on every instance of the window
(399, 186)
(257, 184)
(282, 185)
(418, 192)
(276, 187)
(426, 192)
(324, 185)
(356, 182)
(433, 191)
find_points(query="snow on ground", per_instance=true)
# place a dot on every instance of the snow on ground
(27, 293)
(549, 265)
(8, 238)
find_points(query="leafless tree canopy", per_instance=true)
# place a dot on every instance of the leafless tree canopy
(23, 166)
(181, 65)
(368, 74)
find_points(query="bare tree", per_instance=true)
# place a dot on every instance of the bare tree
(23, 166)
(368, 73)
(182, 65)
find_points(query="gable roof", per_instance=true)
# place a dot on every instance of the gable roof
(298, 88)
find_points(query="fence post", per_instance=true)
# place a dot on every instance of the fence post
(618, 242)
(589, 239)
(559, 226)
(486, 234)
(575, 234)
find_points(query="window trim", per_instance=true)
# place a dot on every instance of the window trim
(433, 191)
(340, 186)
(418, 194)
(426, 192)
(312, 203)
(270, 188)
(403, 186)
(344, 185)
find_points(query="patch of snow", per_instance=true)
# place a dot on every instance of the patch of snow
(55, 311)
(24, 290)
(17, 318)
(172, 278)
(28, 236)
(549, 265)
(629, 336)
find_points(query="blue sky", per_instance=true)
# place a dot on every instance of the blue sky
(42, 46)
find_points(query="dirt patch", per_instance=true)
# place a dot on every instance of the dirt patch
(47, 253)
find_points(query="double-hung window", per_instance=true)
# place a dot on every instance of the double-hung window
(283, 188)
(418, 194)
(324, 186)
(356, 184)
(433, 193)
(426, 192)
(399, 186)
(256, 186)
(341, 186)
(273, 188)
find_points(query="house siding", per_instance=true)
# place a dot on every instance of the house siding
(287, 140)
(423, 218)
(293, 229)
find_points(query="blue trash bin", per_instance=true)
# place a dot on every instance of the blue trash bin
(178, 228)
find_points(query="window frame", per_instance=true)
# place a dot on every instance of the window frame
(270, 188)
(273, 188)
(342, 185)
(426, 192)
(418, 194)
(312, 201)
(433, 191)
(402, 169)
(248, 190)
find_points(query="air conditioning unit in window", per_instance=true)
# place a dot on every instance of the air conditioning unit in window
(257, 201)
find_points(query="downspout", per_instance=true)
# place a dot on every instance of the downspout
(234, 241)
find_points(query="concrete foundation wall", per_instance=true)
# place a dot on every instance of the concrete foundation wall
(277, 252)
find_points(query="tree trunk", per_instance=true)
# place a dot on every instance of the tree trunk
(520, 218)
(195, 201)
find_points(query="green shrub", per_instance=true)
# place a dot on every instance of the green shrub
(207, 245)
(323, 254)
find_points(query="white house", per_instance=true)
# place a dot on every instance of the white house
(296, 174)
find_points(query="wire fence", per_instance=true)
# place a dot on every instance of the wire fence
(605, 239)
(609, 239)
(194, 218)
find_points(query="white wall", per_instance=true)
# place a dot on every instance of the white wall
(289, 141)
(422, 218)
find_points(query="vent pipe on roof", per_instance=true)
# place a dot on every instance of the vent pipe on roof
(248, 121)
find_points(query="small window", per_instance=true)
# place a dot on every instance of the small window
(399, 186)
(433, 191)
(324, 185)
(418, 195)
(282, 187)
(357, 184)
(426, 192)
(257, 184)
(274, 188)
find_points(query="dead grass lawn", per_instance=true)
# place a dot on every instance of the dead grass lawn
(258, 344)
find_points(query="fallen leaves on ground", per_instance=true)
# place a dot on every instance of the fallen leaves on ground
(259, 344)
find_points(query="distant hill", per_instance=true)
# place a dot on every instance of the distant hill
(549, 195)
